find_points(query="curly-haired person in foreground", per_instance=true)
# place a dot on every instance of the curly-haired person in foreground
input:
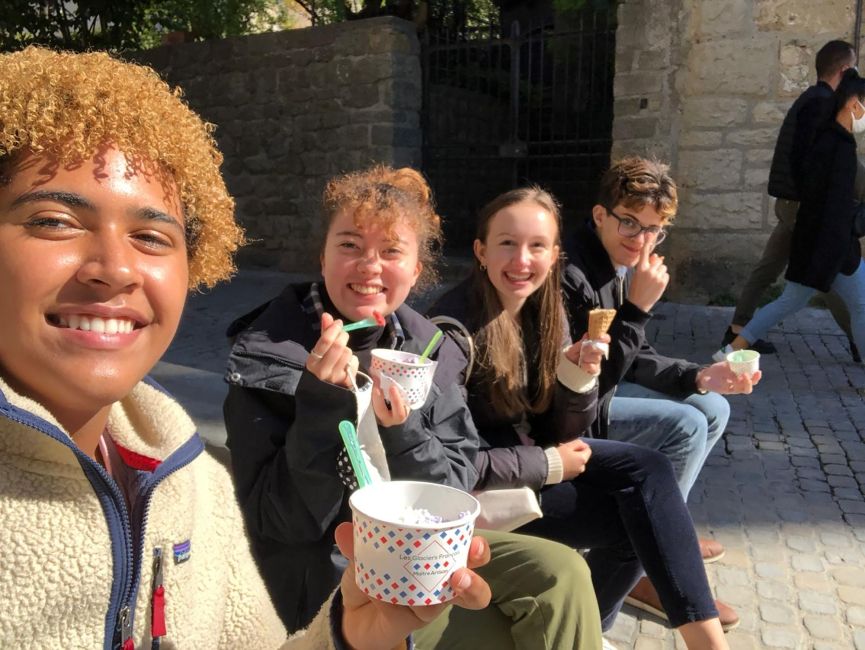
(118, 530)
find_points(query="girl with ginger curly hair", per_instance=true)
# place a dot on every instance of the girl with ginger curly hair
(118, 531)
(293, 376)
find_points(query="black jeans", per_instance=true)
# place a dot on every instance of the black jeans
(627, 509)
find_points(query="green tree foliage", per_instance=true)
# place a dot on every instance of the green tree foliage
(573, 6)
(325, 12)
(131, 24)
(453, 14)
(473, 12)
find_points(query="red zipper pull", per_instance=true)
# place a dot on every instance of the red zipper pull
(157, 603)
(157, 621)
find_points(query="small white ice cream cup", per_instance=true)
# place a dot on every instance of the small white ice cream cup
(410, 563)
(744, 362)
(413, 376)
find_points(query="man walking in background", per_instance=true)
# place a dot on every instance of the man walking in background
(811, 109)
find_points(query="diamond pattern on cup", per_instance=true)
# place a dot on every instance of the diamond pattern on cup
(402, 368)
(424, 577)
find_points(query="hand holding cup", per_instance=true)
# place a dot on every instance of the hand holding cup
(721, 378)
(389, 402)
(370, 624)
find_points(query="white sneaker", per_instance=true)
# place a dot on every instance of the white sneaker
(608, 646)
(721, 355)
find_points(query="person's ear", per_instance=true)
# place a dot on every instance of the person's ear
(418, 269)
(598, 214)
(480, 251)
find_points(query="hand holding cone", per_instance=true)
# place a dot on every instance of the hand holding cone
(599, 322)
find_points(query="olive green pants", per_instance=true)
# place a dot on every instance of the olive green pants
(542, 600)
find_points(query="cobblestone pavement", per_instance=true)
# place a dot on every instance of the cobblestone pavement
(783, 491)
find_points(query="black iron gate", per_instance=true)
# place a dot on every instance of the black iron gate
(535, 106)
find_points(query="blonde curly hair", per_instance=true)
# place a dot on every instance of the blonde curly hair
(71, 105)
(383, 196)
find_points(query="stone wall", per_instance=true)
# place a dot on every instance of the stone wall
(704, 84)
(294, 108)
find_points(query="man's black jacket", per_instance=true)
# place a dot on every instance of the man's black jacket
(590, 281)
(809, 113)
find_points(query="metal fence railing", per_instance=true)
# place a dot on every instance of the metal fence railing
(532, 106)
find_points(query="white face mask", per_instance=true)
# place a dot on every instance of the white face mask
(858, 124)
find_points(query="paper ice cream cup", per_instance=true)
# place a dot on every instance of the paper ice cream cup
(410, 563)
(407, 371)
(744, 362)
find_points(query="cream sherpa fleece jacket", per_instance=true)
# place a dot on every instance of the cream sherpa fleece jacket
(59, 577)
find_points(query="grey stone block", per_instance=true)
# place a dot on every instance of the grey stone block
(775, 636)
(817, 603)
(823, 627)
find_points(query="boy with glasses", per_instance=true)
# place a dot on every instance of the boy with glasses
(645, 398)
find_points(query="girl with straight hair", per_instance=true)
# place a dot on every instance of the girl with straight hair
(524, 387)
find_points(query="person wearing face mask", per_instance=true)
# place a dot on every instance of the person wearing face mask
(825, 251)
(813, 108)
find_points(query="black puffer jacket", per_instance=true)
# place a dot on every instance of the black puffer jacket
(590, 281)
(823, 241)
(503, 461)
(282, 432)
(811, 110)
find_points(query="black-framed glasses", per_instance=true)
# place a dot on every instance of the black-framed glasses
(631, 228)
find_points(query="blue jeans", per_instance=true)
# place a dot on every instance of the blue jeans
(683, 430)
(627, 510)
(851, 289)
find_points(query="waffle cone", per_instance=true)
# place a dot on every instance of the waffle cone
(600, 321)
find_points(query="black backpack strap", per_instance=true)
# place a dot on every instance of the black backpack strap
(460, 335)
